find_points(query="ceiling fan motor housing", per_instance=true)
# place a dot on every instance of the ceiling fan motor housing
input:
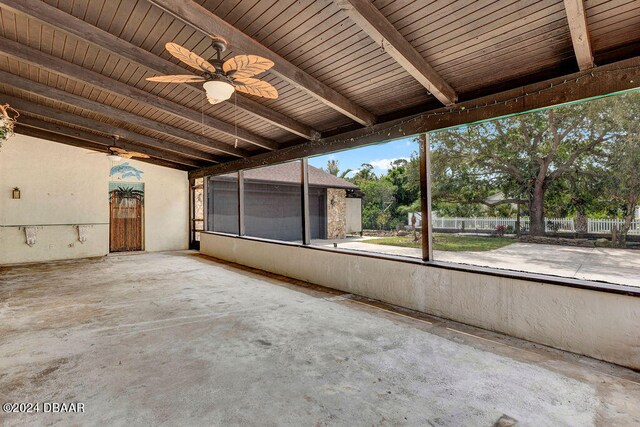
(219, 44)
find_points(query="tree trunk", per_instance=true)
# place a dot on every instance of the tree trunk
(624, 229)
(518, 220)
(582, 224)
(536, 211)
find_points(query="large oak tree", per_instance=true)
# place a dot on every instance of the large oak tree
(520, 156)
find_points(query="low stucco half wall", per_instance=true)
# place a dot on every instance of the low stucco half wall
(597, 324)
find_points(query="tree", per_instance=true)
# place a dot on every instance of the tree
(365, 173)
(398, 177)
(377, 202)
(623, 166)
(332, 167)
(520, 156)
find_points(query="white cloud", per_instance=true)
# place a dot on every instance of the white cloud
(384, 164)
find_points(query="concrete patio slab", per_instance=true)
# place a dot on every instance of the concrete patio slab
(180, 339)
(618, 266)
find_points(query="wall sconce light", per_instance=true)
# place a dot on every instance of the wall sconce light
(16, 193)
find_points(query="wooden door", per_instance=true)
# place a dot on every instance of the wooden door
(125, 224)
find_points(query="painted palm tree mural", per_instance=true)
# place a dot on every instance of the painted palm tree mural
(127, 194)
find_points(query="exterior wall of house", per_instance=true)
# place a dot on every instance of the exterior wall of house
(336, 213)
(354, 215)
(559, 316)
(62, 187)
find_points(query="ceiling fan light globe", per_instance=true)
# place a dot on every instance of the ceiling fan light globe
(114, 157)
(214, 101)
(218, 90)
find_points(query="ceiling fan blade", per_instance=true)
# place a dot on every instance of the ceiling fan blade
(246, 65)
(189, 58)
(258, 88)
(126, 154)
(139, 155)
(176, 79)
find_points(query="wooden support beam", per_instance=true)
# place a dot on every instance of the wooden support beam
(67, 69)
(425, 197)
(367, 16)
(67, 140)
(105, 141)
(577, 19)
(30, 108)
(306, 216)
(241, 203)
(62, 21)
(603, 80)
(201, 19)
(55, 94)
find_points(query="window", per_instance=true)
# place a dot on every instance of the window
(273, 202)
(198, 209)
(552, 192)
(222, 208)
(368, 199)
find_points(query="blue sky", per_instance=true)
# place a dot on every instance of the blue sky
(379, 155)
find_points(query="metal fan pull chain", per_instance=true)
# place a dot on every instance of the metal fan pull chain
(235, 115)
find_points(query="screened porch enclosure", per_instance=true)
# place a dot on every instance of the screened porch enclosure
(271, 210)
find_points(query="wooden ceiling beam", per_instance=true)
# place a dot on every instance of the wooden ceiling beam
(30, 108)
(75, 72)
(89, 145)
(73, 100)
(104, 141)
(577, 19)
(203, 20)
(368, 18)
(62, 21)
(619, 76)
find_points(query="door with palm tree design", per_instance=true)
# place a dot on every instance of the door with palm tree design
(126, 201)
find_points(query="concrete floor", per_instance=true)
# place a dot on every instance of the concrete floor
(621, 266)
(180, 339)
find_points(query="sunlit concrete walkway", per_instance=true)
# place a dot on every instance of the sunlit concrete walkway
(179, 339)
(603, 264)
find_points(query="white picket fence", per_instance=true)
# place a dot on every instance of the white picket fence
(567, 225)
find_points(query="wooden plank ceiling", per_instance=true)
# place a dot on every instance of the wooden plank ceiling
(340, 65)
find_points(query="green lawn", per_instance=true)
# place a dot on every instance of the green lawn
(449, 242)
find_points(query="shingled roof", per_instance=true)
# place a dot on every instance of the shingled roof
(290, 173)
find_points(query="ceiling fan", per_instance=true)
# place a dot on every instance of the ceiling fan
(115, 154)
(222, 78)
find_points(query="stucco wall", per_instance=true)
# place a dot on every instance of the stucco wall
(596, 324)
(68, 186)
(354, 215)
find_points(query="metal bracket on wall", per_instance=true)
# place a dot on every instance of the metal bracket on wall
(82, 232)
(30, 234)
